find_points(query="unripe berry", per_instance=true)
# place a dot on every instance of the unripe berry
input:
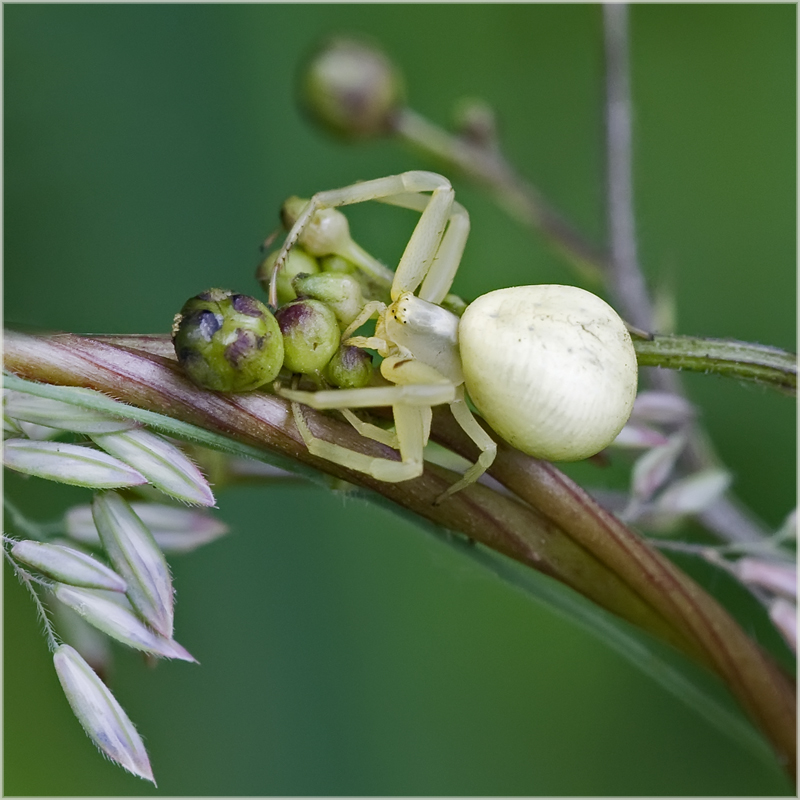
(310, 335)
(227, 342)
(350, 368)
(336, 263)
(327, 231)
(352, 89)
(297, 262)
(341, 292)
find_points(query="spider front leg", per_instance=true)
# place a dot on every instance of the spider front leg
(323, 234)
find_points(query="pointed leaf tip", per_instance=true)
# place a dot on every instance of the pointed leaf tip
(99, 713)
(162, 463)
(73, 464)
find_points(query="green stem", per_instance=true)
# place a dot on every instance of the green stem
(768, 366)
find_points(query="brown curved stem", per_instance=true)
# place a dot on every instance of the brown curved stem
(553, 527)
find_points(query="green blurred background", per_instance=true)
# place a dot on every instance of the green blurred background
(343, 651)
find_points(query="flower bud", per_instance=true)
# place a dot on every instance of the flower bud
(341, 292)
(326, 232)
(311, 335)
(297, 262)
(336, 263)
(63, 416)
(776, 577)
(351, 89)
(694, 493)
(651, 470)
(176, 530)
(662, 408)
(113, 616)
(639, 437)
(784, 617)
(227, 342)
(350, 368)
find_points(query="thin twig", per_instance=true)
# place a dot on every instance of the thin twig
(519, 197)
(627, 282)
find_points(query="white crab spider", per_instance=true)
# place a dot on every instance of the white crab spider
(551, 368)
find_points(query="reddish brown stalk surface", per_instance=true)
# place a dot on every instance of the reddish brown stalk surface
(554, 527)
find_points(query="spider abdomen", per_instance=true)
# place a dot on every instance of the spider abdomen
(551, 368)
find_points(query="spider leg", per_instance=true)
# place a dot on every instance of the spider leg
(410, 425)
(369, 311)
(424, 245)
(465, 418)
(443, 269)
(370, 431)
(413, 395)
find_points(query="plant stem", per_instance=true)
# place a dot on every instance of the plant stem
(653, 577)
(754, 363)
(554, 527)
(626, 280)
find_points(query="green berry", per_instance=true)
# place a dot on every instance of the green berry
(341, 292)
(297, 262)
(227, 342)
(327, 231)
(352, 89)
(350, 368)
(334, 263)
(310, 335)
(371, 288)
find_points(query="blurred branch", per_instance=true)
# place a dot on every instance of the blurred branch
(520, 198)
(626, 282)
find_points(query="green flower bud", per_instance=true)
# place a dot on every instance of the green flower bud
(227, 342)
(297, 262)
(341, 292)
(350, 368)
(310, 335)
(327, 232)
(475, 121)
(351, 89)
(335, 263)
(371, 289)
